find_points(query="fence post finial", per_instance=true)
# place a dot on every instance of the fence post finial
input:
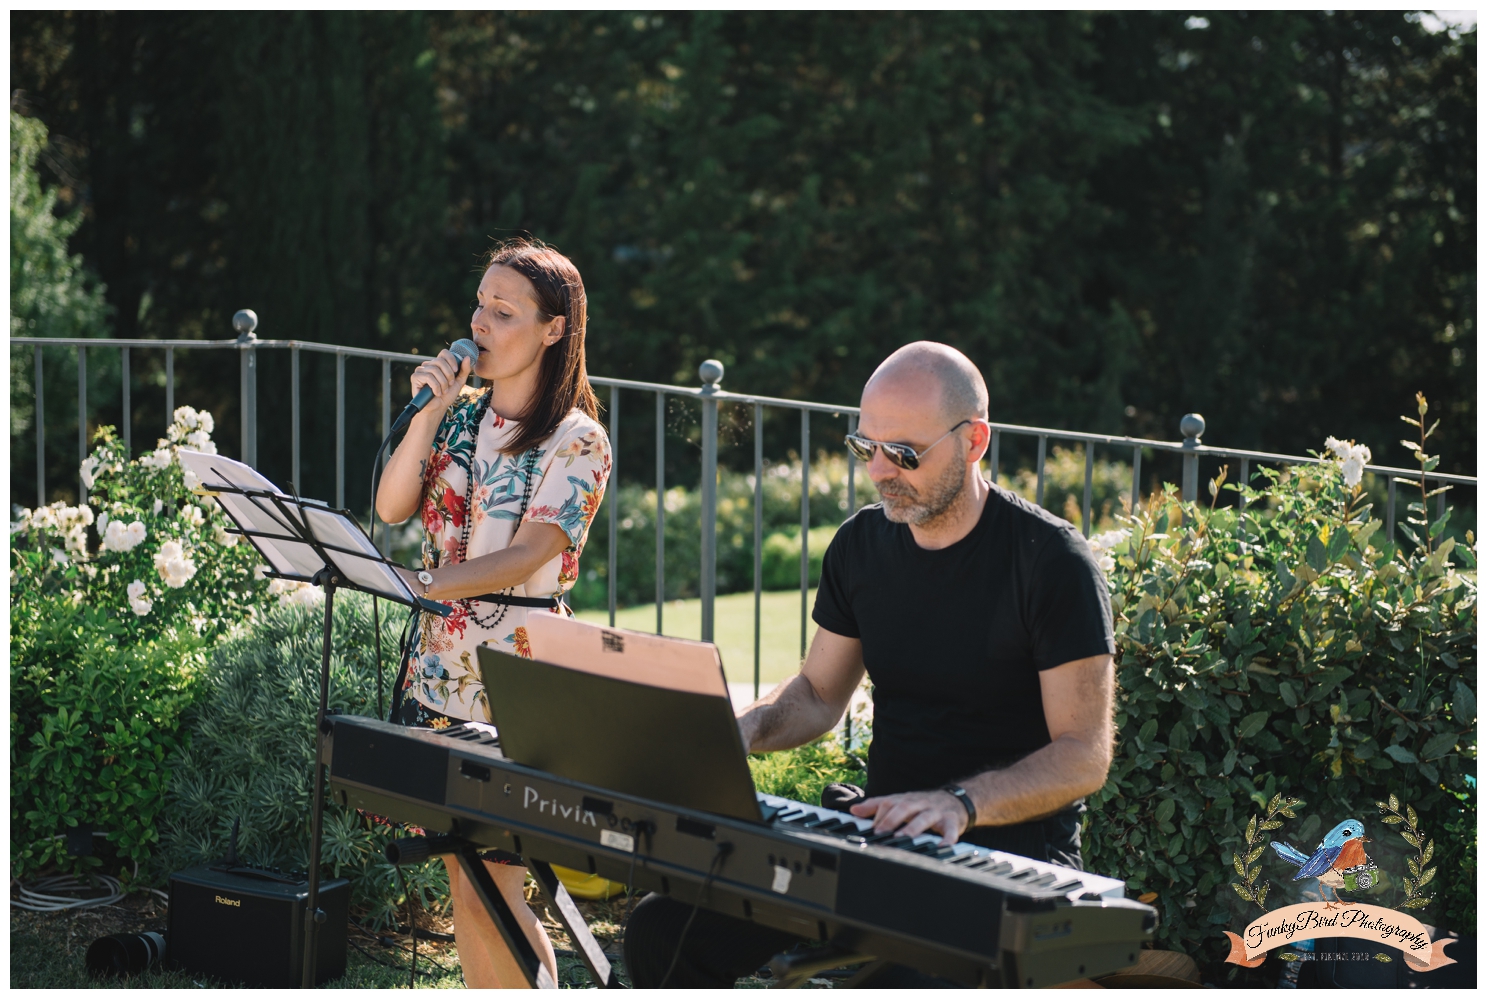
(711, 373)
(245, 321)
(1191, 427)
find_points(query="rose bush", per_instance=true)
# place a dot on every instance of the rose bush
(107, 641)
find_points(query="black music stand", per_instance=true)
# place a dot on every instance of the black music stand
(309, 542)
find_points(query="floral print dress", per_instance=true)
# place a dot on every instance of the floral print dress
(561, 480)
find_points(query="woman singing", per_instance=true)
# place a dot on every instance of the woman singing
(506, 479)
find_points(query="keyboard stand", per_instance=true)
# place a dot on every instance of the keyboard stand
(418, 849)
(562, 905)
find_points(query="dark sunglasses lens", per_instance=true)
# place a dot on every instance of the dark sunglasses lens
(903, 457)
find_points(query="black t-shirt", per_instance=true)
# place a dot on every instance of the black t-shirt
(954, 638)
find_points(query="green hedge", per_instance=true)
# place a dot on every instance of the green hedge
(251, 752)
(1293, 649)
(636, 555)
(114, 605)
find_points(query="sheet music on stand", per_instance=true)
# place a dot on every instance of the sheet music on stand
(300, 537)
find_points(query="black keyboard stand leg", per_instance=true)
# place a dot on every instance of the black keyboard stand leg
(563, 907)
(538, 977)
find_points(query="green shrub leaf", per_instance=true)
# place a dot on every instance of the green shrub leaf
(1252, 723)
(1439, 745)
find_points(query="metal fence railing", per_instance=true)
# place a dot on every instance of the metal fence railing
(1190, 449)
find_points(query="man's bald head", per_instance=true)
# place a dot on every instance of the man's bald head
(962, 390)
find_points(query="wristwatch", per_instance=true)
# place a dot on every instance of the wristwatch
(427, 579)
(960, 795)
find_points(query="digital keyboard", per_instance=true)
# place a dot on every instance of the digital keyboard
(976, 916)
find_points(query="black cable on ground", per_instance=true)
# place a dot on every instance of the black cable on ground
(412, 940)
(378, 961)
(724, 849)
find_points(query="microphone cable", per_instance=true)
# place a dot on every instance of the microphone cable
(464, 350)
(372, 521)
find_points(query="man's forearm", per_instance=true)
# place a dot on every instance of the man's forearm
(1040, 784)
(790, 715)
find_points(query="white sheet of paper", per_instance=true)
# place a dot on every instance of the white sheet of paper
(293, 557)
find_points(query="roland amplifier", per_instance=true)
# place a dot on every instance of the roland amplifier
(244, 924)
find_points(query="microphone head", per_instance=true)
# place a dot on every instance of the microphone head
(465, 350)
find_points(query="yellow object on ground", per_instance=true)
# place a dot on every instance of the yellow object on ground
(590, 886)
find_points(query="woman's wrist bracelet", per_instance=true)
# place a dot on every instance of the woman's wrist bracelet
(960, 794)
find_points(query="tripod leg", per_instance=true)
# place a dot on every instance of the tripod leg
(537, 975)
(578, 929)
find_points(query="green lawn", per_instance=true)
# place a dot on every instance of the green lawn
(779, 630)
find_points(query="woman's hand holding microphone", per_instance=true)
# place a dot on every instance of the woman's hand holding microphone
(436, 386)
(443, 375)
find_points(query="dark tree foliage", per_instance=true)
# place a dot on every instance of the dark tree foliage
(1120, 217)
(1297, 238)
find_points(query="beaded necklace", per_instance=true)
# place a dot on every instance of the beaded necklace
(530, 461)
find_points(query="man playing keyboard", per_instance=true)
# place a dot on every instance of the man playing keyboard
(984, 625)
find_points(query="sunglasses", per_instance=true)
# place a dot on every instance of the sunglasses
(900, 454)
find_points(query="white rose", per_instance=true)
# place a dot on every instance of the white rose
(76, 539)
(89, 470)
(199, 440)
(1107, 562)
(121, 537)
(60, 557)
(192, 515)
(305, 596)
(157, 459)
(192, 481)
(103, 521)
(175, 567)
(159, 504)
(1352, 457)
(222, 537)
(205, 421)
(291, 592)
(1107, 541)
(141, 607)
(136, 590)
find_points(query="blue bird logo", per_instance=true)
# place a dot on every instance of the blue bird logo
(1339, 854)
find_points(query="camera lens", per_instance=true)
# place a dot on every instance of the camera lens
(124, 954)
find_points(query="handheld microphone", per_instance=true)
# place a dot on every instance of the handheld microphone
(463, 350)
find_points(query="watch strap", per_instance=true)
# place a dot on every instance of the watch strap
(960, 794)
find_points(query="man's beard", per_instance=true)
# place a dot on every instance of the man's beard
(903, 504)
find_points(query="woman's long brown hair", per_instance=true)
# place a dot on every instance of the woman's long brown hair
(563, 383)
